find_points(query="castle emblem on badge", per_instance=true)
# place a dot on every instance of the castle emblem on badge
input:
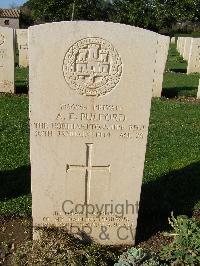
(92, 67)
(2, 39)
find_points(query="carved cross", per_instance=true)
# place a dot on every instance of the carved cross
(88, 168)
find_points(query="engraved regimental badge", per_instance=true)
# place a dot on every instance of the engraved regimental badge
(2, 39)
(92, 67)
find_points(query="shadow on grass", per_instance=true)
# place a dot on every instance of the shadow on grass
(177, 191)
(14, 183)
(21, 88)
(178, 70)
(177, 91)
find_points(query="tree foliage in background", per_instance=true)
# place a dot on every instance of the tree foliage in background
(133, 12)
(168, 12)
(58, 10)
(150, 14)
(26, 18)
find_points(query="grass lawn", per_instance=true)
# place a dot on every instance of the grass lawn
(172, 168)
(21, 80)
(176, 82)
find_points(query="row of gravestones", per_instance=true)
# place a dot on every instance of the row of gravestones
(21, 42)
(90, 98)
(189, 48)
(11, 41)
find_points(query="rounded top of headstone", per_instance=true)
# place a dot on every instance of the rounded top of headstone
(85, 23)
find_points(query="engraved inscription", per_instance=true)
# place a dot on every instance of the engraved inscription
(96, 121)
(92, 67)
(2, 39)
(2, 55)
(23, 46)
(88, 168)
(71, 219)
(123, 228)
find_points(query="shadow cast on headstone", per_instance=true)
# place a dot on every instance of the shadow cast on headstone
(19, 89)
(175, 91)
(176, 192)
(15, 183)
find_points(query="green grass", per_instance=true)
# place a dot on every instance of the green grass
(19, 206)
(179, 84)
(175, 61)
(14, 131)
(14, 156)
(192, 34)
(171, 179)
(21, 80)
(176, 82)
(172, 168)
(174, 137)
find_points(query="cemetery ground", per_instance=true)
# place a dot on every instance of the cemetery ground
(171, 176)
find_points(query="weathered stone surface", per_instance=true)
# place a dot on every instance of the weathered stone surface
(173, 40)
(198, 92)
(182, 45)
(160, 62)
(186, 51)
(194, 57)
(90, 97)
(178, 44)
(22, 44)
(7, 74)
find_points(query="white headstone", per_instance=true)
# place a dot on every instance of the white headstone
(7, 64)
(182, 46)
(22, 44)
(90, 98)
(160, 63)
(178, 44)
(186, 51)
(173, 40)
(198, 92)
(194, 57)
